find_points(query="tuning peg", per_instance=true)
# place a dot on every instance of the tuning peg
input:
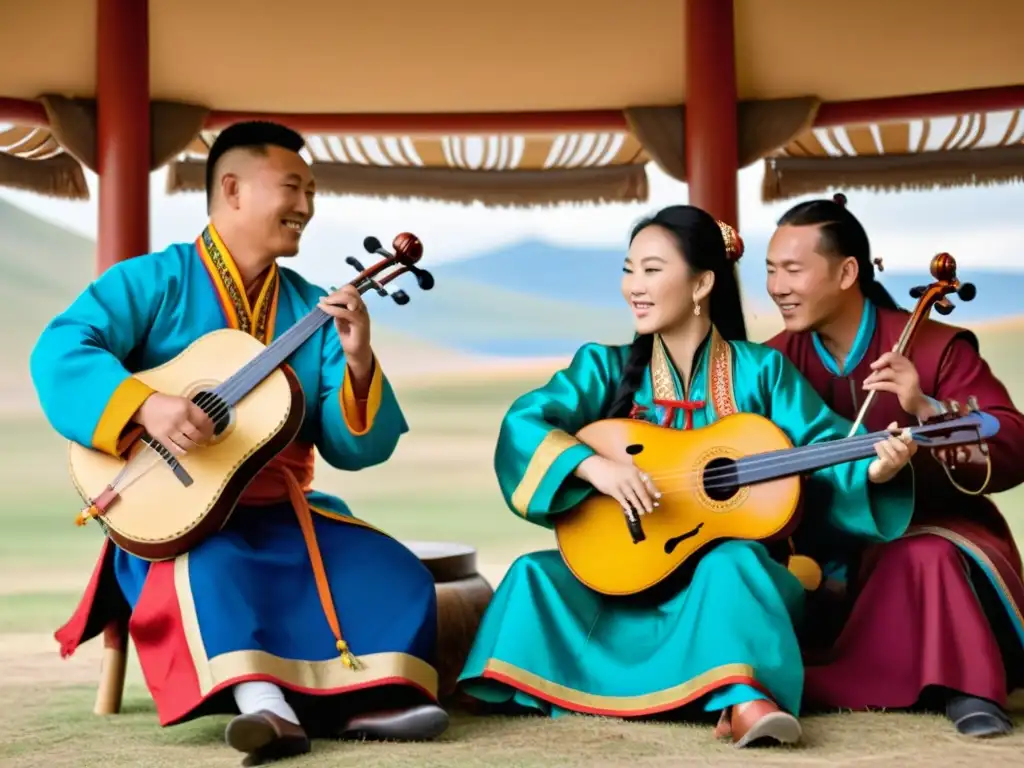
(424, 279)
(380, 289)
(918, 291)
(967, 291)
(401, 297)
(355, 263)
(954, 406)
(972, 404)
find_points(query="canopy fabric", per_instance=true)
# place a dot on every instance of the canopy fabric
(466, 56)
(494, 170)
(950, 151)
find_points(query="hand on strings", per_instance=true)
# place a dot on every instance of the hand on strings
(894, 373)
(894, 453)
(352, 322)
(625, 483)
(176, 422)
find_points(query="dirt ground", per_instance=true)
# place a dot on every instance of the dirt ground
(48, 720)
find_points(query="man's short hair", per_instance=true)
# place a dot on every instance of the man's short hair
(253, 135)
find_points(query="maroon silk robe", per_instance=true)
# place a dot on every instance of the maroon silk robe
(944, 605)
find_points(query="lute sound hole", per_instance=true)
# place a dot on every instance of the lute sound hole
(720, 479)
(214, 406)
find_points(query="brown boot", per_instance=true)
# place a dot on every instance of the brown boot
(758, 722)
(422, 723)
(265, 737)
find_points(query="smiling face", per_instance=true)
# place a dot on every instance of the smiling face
(272, 196)
(807, 286)
(658, 284)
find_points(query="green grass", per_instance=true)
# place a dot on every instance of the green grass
(440, 484)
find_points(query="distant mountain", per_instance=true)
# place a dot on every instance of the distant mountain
(526, 300)
(590, 277)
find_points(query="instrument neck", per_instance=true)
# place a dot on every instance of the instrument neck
(249, 376)
(810, 458)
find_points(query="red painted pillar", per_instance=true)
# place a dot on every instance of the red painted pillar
(122, 130)
(712, 162)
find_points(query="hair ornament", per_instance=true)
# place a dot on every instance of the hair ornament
(839, 199)
(733, 242)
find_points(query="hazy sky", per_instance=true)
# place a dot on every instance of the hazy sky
(981, 227)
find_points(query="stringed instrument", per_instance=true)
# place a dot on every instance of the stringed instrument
(156, 505)
(737, 478)
(936, 294)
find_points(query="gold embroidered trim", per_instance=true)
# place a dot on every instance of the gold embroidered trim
(234, 292)
(722, 396)
(662, 383)
(554, 444)
(241, 311)
(720, 382)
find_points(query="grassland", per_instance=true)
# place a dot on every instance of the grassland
(439, 485)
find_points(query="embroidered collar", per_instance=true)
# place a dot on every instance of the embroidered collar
(717, 380)
(227, 282)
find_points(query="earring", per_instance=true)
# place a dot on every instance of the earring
(696, 309)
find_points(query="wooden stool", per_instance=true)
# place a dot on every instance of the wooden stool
(462, 597)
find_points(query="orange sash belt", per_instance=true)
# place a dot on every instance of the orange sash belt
(287, 478)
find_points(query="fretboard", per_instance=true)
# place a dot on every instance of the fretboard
(256, 370)
(807, 458)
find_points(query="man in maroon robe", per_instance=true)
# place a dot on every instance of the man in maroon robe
(935, 618)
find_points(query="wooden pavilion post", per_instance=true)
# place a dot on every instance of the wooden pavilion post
(123, 155)
(712, 155)
(122, 129)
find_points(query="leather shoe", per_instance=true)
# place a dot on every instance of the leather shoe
(422, 723)
(976, 717)
(265, 737)
(758, 722)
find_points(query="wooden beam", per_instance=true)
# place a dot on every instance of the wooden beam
(122, 129)
(712, 162)
(23, 112)
(866, 111)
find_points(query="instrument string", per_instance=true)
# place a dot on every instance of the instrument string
(765, 461)
(239, 383)
(842, 450)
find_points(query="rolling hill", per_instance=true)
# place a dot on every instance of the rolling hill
(528, 300)
(43, 267)
(590, 277)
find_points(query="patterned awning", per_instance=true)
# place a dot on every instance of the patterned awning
(30, 143)
(955, 150)
(496, 170)
(527, 170)
(488, 153)
(31, 159)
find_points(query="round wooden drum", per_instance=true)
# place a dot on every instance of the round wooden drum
(462, 597)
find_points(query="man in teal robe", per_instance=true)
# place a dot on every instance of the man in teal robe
(238, 624)
(549, 644)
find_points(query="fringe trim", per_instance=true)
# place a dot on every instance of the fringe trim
(788, 177)
(60, 176)
(515, 189)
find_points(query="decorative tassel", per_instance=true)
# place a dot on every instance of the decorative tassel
(347, 658)
(89, 513)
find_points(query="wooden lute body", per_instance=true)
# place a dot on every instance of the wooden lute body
(737, 478)
(157, 516)
(156, 505)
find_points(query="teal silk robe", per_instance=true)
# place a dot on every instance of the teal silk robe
(243, 604)
(550, 644)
